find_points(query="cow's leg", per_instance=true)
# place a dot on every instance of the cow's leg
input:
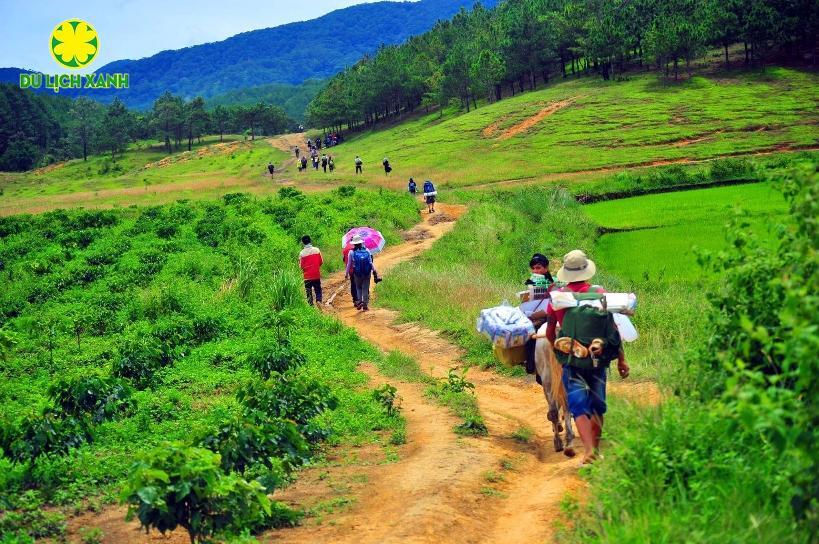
(543, 369)
(567, 417)
(553, 415)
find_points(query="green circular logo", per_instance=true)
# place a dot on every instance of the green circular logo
(74, 43)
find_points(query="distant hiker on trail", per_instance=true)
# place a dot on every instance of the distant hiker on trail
(303, 163)
(387, 167)
(271, 168)
(324, 163)
(315, 162)
(358, 163)
(297, 151)
(429, 195)
(359, 267)
(331, 163)
(584, 373)
(412, 187)
(310, 262)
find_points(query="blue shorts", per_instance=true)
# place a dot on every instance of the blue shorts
(586, 390)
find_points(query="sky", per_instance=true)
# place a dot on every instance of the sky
(130, 29)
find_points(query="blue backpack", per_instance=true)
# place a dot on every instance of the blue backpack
(362, 262)
(428, 187)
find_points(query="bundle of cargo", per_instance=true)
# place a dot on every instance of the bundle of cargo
(508, 329)
(620, 305)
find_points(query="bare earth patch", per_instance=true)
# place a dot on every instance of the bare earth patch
(526, 124)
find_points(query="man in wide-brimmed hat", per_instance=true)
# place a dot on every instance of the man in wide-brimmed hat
(585, 387)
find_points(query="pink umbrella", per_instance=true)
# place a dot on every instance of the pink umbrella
(373, 240)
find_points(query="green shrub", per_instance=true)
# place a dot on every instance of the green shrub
(175, 485)
(288, 397)
(274, 355)
(210, 229)
(140, 356)
(242, 444)
(43, 435)
(387, 397)
(101, 399)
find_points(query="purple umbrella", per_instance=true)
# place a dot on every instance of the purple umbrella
(373, 240)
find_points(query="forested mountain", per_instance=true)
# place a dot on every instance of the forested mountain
(291, 53)
(485, 52)
(293, 99)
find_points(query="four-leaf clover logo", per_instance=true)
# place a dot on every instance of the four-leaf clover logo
(74, 43)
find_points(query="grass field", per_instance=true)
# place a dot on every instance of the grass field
(671, 228)
(144, 174)
(600, 125)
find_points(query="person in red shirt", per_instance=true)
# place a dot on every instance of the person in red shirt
(585, 388)
(310, 262)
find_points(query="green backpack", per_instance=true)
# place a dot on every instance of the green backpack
(584, 324)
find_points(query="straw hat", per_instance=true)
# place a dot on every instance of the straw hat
(576, 267)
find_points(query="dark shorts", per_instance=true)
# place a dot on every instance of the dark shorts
(586, 390)
(431, 199)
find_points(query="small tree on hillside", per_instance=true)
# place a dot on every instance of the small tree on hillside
(116, 127)
(220, 118)
(167, 115)
(85, 115)
(196, 119)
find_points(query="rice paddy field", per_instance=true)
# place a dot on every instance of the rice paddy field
(657, 237)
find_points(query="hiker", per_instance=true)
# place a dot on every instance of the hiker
(271, 168)
(331, 163)
(358, 163)
(412, 187)
(387, 167)
(584, 376)
(297, 151)
(429, 195)
(310, 262)
(542, 281)
(315, 162)
(359, 267)
(345, 254)
(324, 163)
(303, 163)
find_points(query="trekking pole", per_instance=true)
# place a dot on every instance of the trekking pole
(337, 291)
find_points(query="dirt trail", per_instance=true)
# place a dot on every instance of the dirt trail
(526, 124)
(442, 488)
(439, 490)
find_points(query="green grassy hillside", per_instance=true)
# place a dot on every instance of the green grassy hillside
(599, 125)
(144, 174)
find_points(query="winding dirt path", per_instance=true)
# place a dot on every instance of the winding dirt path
(445, 488)
(438, 487)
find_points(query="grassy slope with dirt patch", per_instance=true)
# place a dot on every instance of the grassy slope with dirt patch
(607, 124)
(144, 166)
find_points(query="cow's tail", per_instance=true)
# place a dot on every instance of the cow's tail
(558, 392)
